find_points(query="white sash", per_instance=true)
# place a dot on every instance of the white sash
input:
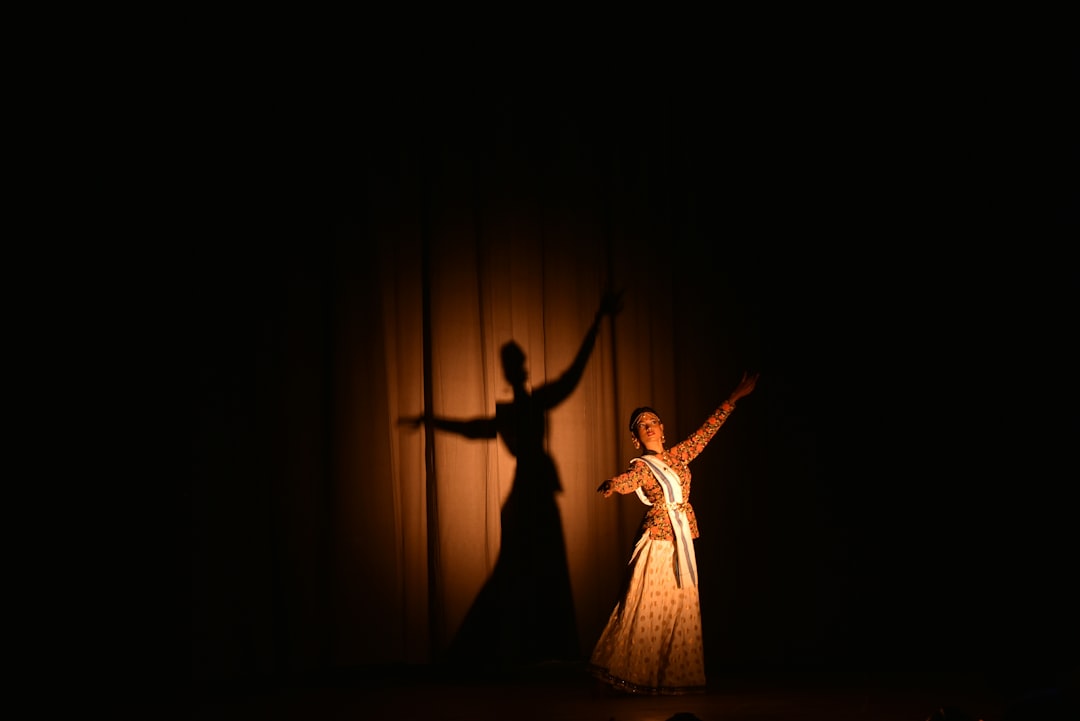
(685, 557)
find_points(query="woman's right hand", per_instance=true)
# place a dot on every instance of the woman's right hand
(605, 488)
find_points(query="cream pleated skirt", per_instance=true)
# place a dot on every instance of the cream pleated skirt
(652, 642)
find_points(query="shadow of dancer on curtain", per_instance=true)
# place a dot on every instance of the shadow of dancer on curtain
(524, 614)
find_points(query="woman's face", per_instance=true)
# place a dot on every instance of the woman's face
(648, 428)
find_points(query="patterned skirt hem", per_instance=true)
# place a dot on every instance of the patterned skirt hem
(620, 684)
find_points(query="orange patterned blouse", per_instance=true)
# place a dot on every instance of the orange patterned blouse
(678, 458)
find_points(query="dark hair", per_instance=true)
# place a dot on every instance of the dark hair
(637, 413)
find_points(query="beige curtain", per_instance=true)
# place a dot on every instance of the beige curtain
(503, 267)
(329, 533)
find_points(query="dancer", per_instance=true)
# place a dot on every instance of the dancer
(652, 643)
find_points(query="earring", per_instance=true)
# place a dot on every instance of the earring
(663, 439)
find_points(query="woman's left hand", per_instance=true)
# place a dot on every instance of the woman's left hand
(745, 387)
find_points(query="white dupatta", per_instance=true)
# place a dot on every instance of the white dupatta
(685, 559)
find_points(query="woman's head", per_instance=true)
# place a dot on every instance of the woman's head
(637, 413)
(646, 428)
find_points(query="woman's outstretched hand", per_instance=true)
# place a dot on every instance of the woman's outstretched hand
(605, 488)
(745, 387)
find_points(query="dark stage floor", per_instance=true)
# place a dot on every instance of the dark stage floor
(566, 693)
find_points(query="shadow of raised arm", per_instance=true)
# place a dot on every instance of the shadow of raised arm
(554, 393)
